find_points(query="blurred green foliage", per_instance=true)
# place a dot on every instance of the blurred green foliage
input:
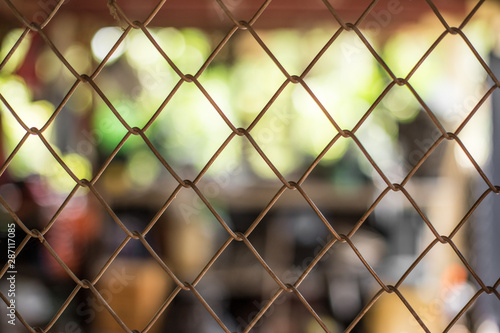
(242, 80)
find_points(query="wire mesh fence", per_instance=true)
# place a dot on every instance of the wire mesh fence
(281, 285)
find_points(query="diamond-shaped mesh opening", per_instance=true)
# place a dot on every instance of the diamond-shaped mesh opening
(20, 108)
(248, 166)
(122, 279)
(447, 296)
(190, 130)
(254, 80)
(306, 233)
(138, 170)
(400, 311)
(191, 233)
(448, 95)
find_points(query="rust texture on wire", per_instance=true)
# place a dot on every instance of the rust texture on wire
(287, 184)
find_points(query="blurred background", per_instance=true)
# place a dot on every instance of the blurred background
(242, 79)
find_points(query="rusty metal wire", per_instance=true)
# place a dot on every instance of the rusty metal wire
(287, 184)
